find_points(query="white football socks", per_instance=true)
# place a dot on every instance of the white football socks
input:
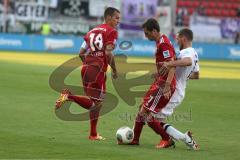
(176, 134)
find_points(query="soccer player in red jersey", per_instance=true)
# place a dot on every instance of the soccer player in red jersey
(96, 55)
(162, 88)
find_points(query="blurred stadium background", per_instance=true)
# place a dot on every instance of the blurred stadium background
(214, 23)
(37, 36)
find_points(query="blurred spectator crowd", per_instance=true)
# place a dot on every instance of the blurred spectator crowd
(76, 17)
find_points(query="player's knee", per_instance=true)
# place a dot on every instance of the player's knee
(98, 104)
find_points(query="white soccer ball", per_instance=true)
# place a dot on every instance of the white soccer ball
(125, 135)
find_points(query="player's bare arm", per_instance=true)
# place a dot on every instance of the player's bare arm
(82, 54)
(165, 66)
(83, 51)
(187, 61)
(194, 75)
(167, 87)
(111, 60)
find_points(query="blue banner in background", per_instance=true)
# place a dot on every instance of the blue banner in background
(71, 45)
(58, 44)
(217, 51)
(14, 42)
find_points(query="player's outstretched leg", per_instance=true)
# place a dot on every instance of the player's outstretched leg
(63, 98)
(177, 135)
(155, 124)
(82, 101)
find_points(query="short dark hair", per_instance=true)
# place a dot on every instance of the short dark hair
(186, 33)
(109, 11)
(151, 24)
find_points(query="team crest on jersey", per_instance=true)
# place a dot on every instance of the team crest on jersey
(166, 54)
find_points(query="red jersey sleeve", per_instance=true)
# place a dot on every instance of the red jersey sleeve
(167, 51)
(111, 38)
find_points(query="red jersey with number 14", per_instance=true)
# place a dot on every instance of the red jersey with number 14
(97, 39)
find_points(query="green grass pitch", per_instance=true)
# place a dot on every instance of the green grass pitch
(29, 128)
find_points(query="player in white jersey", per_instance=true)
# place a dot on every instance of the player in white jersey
(187, 67)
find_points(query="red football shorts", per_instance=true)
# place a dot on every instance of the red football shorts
(154, 99)
(94, 82)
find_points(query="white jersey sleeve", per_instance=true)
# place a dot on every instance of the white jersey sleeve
(84, 45)
(191, 53)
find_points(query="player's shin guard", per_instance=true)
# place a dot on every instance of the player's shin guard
(156, 126)
(174, 133)
(83, 101)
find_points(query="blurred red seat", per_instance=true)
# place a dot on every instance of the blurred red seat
(225, 13)
(188, 4)
(181, 3)
(190, 10)
(232, 13)
(205, 4)
(235, 5)
(229, 5)
(216, 12)
(195, 4)
(212, 4)
(219, 5)
(208, 12)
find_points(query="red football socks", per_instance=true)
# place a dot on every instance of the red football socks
(139, 123)
(94, 114)
(83, 101)
(88, 104)
(152, 122)
(156, 126)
